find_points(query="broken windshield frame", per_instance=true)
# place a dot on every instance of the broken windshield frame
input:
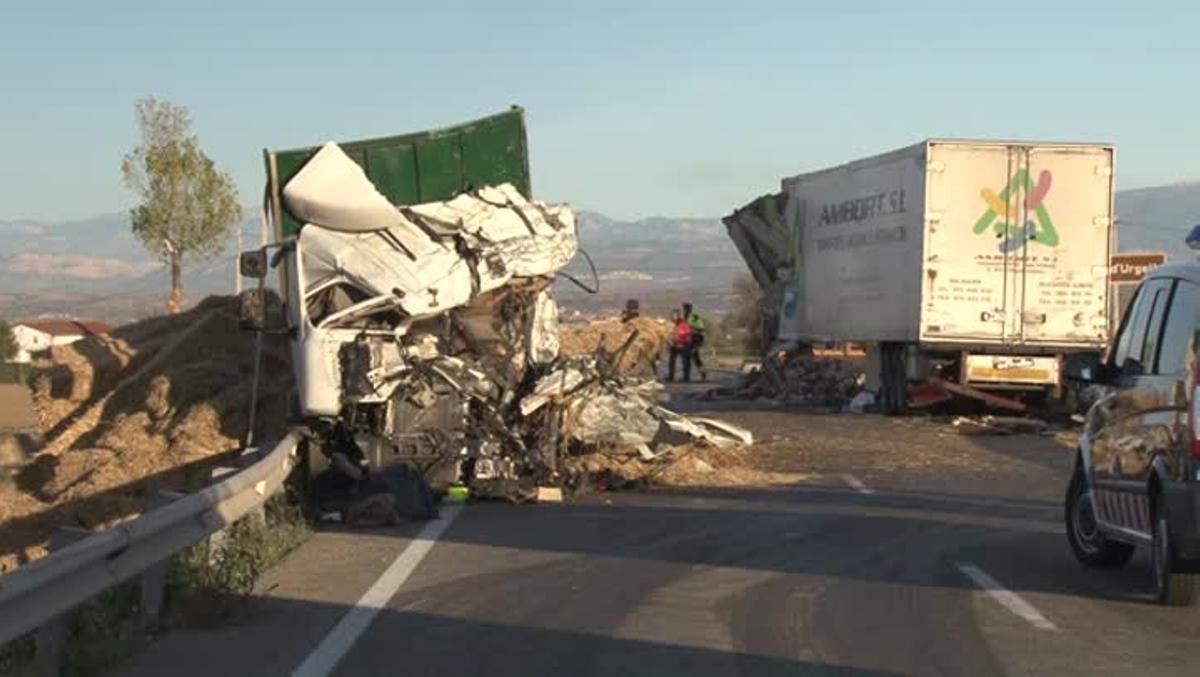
(359, 310)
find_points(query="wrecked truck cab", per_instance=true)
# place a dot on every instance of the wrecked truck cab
(363, 291)
(424, 328)
(417, 294)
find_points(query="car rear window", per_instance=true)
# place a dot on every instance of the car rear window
(1183, 321)
(1130, 355)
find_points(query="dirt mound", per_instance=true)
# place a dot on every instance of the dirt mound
(153, 406)
(641, 358)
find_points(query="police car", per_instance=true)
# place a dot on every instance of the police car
(1136, 477)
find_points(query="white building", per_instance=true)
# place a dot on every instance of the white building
(34, 336)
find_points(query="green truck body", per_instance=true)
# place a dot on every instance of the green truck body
(420, 167)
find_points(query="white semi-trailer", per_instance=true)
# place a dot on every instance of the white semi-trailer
(982, 262)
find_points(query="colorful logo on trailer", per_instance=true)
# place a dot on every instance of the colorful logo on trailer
(1007, 209)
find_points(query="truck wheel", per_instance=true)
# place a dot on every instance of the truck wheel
(1083, 531)
(1171, 588)
(894, 377)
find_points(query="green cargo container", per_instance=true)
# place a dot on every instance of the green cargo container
(423, 166)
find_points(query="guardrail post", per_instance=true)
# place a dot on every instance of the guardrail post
(154, 579)
(216, 540)
(52, 635)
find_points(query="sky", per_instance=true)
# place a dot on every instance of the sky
(633, 108)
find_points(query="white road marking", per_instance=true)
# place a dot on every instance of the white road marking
(330, 651)
(1007, 598)
(857, 484)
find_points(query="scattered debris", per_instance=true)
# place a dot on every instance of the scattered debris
(861, 402)
(1000, 425)
(987, 398)
(798, 376)
(682, 466)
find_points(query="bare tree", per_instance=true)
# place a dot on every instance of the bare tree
(188, 206)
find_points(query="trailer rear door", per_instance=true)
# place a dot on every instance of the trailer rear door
(1068, 212)
(969, 253)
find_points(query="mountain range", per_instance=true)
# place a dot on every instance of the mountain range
(95, 267)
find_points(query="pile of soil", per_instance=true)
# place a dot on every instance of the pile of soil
(155, 405)
(641, 358)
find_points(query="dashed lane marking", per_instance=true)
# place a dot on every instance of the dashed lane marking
(857, 484)
(1007, 598)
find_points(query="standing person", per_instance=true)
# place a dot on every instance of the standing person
(698, 328)
(631, 312)
(681, 346)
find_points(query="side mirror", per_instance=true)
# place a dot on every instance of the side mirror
(252, 313)
(1085, 368)
(253, 264)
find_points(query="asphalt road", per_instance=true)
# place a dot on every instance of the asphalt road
(873, 568)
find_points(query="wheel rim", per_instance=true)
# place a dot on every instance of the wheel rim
(1083, 523)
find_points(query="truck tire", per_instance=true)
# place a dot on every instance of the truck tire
(894, 378)
(1171, 588)
(1083, 532)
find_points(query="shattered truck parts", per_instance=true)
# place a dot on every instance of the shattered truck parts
(425, 334)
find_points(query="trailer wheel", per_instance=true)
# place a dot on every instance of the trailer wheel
(894, 390)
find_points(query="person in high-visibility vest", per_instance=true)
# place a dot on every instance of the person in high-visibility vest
(699, 326)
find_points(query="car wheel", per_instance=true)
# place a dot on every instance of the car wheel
(1083, 531)
(1170, 587)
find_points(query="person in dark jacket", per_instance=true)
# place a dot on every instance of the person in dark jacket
(631, 312)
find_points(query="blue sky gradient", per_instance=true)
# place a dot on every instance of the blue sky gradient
(634, 108)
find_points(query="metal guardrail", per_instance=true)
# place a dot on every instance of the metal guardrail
(37, 594)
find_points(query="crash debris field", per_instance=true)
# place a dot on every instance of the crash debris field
(428, 338)
(158, 403)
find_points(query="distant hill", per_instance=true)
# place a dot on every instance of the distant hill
(100, 255)
(1158, 218)
(659, 261)
(95, 268)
